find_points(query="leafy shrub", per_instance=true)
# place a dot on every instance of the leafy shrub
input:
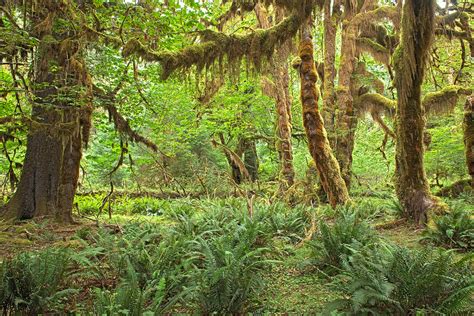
(392, 280)
(333, 243)
(31, 282)
(453, 230)
(229, 272)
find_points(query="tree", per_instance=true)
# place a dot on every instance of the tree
(60, 119)
(469, 136)
(410, 60)
(278, 68)
(326, 164)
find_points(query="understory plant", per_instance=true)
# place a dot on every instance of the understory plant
(333, 243)
(33, 282)
(393, 280)
(229, 271)
(151, 263)
(452, 230)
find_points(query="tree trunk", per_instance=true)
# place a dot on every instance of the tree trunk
(345, 129)
(251, 159)
(469, 136)
(411, 185)
(326, 164)
(329, 99)
(51, 169)
(278, 68)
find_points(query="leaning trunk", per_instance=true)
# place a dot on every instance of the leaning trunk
(410, 59)
(469, 136)
(326, 164)
(51, 168)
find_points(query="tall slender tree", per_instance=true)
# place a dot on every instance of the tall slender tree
(278, 68)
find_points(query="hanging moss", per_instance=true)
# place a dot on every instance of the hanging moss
(444, 101)
(375, 103)
(377, 51)
(215, 47)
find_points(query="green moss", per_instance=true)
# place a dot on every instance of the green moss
(445, 100)
(374, 102)
(219, 47)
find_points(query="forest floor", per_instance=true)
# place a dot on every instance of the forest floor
(289, 287)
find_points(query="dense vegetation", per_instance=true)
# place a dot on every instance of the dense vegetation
(236, 156)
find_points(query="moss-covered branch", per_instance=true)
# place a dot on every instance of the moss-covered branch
(445, 100)
(384, 12)
(378, 52)
(375, 103)
(214, 47)
(121, 124)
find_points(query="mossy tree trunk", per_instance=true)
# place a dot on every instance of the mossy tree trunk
(54, 145)
(345, 129)
(469, 136)
(326, 163)
(331, 19)
(410, 59)
(278, 69)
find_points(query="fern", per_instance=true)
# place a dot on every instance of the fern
(31, 282)
(453, 230)
(391, 280)
(332, 244)
(228, 274)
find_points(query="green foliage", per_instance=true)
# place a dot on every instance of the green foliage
(332, 244)
(229, 273)
(444, 158)
(391, 280)
(453, 230)
(129, 298)
(32, 282)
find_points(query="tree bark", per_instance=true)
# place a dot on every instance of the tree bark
(326, 164)
(54, 145)
(329, 99)
(251, 159)
(345, 129)
(278, 68)
(469, 136)
(410, 59)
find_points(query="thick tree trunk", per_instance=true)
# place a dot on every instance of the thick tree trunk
(411, 185)
(326, 163)
(278, 68)
(51, 168)
(469, 136)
